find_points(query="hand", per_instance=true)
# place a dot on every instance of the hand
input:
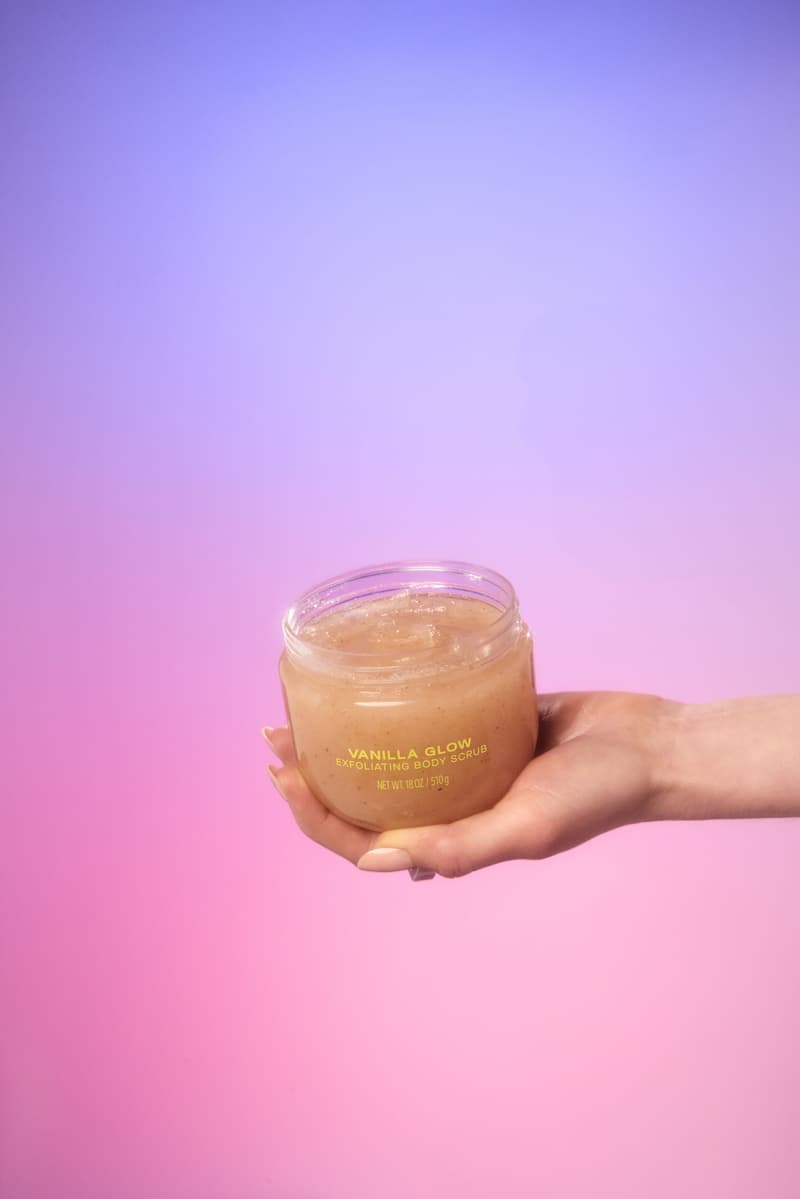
(599, 764)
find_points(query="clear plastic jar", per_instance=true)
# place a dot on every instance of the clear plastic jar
(410, 694)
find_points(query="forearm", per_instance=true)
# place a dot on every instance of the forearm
(731, 759)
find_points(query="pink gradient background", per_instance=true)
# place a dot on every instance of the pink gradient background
(287, 289)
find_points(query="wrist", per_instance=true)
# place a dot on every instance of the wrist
(671, 785)
(727, 759)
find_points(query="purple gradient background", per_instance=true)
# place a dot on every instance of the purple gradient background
(291, 288)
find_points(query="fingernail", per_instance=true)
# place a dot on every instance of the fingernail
(385, 859)
(266, 733)
(273, 770)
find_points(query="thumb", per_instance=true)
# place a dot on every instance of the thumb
(507, 831)
(561, 799)
(540, 815)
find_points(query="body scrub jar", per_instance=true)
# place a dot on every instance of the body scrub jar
(410, 693)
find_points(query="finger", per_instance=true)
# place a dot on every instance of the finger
(280, 742)
(317, 821)
(451, 850)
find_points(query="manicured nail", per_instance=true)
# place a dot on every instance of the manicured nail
(385, 859)
(273, 770)
(266, 733)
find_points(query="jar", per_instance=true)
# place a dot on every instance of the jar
(409, 691)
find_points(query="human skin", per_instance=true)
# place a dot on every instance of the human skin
(603, 760)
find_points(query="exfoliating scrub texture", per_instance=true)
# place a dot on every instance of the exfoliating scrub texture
(407, 710)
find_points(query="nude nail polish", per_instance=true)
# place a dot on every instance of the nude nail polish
(385, 860)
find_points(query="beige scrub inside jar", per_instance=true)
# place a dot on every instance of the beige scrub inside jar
(410, 693)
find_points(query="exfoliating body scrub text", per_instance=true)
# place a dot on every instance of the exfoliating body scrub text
(426, 757)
